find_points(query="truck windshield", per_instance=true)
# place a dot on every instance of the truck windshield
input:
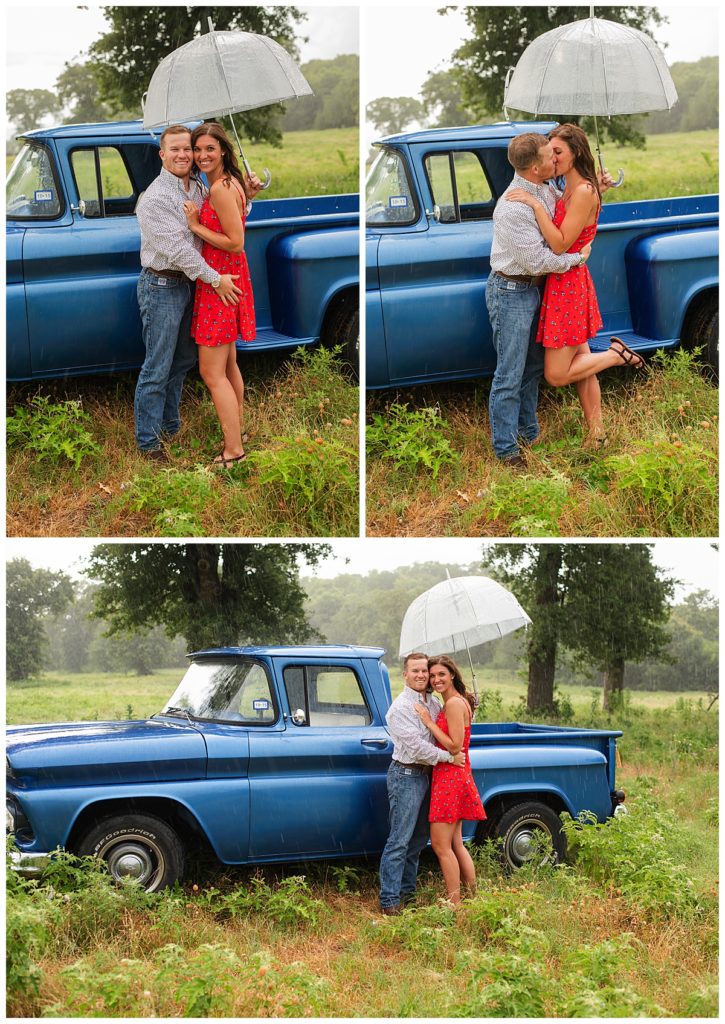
(225, 691)
(31, 192)
(389, 197)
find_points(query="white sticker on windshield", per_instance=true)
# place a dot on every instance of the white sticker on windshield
(44, 195)
(398, 201)
(260, 705)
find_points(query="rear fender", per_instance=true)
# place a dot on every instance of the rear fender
(307, 270)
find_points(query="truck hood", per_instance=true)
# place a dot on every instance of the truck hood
(99, 753)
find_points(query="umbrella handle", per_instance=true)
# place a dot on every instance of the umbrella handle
(620, 172)
(267, 176)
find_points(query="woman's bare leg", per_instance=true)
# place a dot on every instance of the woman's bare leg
(570, 364)
(465, 861)
(441, 839)
(213, 363)
(234, 376)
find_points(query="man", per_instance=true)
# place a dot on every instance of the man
(520, 259)
(171, 261)
(414, 754)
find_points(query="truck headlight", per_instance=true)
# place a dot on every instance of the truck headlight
(10, 811)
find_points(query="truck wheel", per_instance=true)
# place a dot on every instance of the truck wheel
(517, 828)
(136, 846)
(704, 332)
(343, 329)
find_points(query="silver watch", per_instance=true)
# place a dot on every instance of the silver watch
(451, 758)
(216, 283)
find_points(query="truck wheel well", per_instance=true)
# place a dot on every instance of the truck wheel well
(503, 802)
(701, 328)
(341, 326)
(190, 833)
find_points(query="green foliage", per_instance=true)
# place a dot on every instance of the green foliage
(31, 594)
(175, 499)
(697, 98)
(424, 930)
(290, 903)
(29, 927)
(528, 506)
(592, 973)
(52, 430)
(335, 103)
(633, 852)
(392, 114)
(411, 438)
(27, 107)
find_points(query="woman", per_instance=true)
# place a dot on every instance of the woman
(454, 797)
(569, 311)
(215, 326)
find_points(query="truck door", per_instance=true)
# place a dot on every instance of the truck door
(81, 279)
(319, 788)
(433, 281)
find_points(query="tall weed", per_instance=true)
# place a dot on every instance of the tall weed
(411, 439)
(52, 431)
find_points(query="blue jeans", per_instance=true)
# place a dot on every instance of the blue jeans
(512, 308)
(409, 799)
(166, 306)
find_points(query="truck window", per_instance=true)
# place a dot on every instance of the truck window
(32, 191)
(327, 695)
(225, 691)
(459, 186)
(389, 197)
(103, 182)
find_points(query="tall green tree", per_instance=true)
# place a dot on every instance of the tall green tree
(499, 35)
(211, 594)
(620, 603)
(127, 55)
(25, 108)
(391, 114)
(443, 101)
(31, 594)
(77, 88)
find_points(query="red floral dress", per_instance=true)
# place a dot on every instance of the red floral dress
(453, 792)
(213, 323)
(569, 310)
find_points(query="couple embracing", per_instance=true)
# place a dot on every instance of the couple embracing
(430, 782)
(542, 239)
(194, 290)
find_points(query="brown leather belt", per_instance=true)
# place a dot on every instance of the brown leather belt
(520, 279)
(424, 768)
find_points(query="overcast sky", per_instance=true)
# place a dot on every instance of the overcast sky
(692, 561)
(403, 44)
(41, 39)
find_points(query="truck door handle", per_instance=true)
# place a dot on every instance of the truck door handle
(375, 743)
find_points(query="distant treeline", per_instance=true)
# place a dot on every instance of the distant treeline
(697, 84)
(335, 103)
(369, 610)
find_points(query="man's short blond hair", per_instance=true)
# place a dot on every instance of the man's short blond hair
(523, 151)
(415, 656)
(173, 129)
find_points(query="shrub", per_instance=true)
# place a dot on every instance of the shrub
(410, 438)
(52, 430)
(176, 499)
(529, 506)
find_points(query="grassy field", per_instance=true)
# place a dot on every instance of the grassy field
(675, 164)
(73, 468)
(431, 469)
(628, 928)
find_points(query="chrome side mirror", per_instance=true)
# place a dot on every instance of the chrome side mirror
(299, 717)
(436, 214)
(81, 208)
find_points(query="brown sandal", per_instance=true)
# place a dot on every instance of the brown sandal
(627, 355)
(222, 463)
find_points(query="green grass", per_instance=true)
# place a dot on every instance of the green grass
(657, 477)
(675, 164)
(629, 927)
(300, 477)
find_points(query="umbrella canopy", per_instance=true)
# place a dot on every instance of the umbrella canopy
(459, 613)
(594, 67)
(221, 73)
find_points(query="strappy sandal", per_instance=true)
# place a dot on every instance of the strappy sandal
(222, 463)
(627, 355)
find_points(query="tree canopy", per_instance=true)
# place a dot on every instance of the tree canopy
(26, 108)
(499, 35)
(31, 594)
(391, 114)
(336, 100)
(211, 594)
(125, 57)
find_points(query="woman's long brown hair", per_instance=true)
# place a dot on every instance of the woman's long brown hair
(578, 143)
(460, 686)
(230, 163)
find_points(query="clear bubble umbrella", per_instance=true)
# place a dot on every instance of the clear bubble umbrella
(459, 613)
(592, 67)
(220, 74)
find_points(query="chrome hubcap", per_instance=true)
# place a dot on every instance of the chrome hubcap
(131, 858)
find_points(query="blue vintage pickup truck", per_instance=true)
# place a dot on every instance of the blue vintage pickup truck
(430, 200)
(273, 754)
(73, 256)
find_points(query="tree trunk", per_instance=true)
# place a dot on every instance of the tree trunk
(544, 630)
(613, 683)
